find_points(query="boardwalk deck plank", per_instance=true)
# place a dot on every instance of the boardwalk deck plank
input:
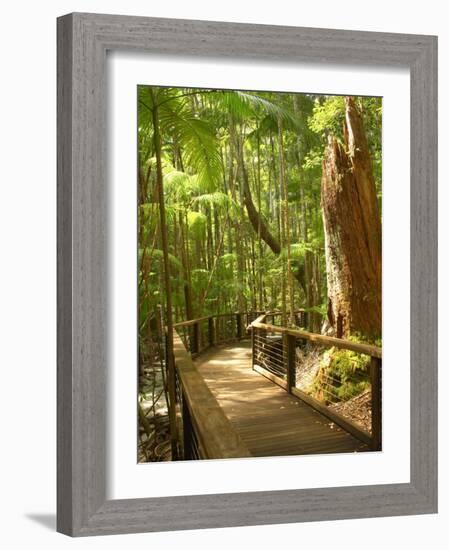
(270, 421)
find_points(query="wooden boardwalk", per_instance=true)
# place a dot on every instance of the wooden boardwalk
(270, 421)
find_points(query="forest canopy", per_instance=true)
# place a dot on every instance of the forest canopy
(242, 186)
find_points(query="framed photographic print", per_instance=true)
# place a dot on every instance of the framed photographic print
(246, 274)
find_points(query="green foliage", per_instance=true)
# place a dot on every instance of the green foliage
(157, 256)
(343, 375)
(241, 106)
(177, 184)
(313, 160)
(297, 251)
(200, 148)
(362, 339)
(218, 200)
(200, 278)
(228, 260)
(328, 116)
(176, 119)
(321, 309)
(197, 224)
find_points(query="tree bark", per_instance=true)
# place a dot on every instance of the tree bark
(352, 232)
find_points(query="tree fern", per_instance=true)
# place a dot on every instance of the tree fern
(220, 200)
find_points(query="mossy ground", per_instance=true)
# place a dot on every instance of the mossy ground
(343, 374)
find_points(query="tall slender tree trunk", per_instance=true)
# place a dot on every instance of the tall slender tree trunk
(286, 227)
(186, 269)
(276, 209)
(237, 147)
(259, 238)
(167, 279)
(352, 232)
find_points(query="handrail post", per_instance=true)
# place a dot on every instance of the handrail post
(376, 403)
(211, 329)
(159, 329)
(289, 349)
(195, 347)
(239, 326)
(186, 431)
(218, 329)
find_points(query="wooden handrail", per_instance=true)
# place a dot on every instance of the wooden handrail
(277, 312)
(191, 322)
(259, 319)
(289, 336)
(216, 332)
(215, 434)
(367, 349)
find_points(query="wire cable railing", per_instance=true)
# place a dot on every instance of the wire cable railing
(340, 378)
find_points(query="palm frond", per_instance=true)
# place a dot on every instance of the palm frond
(244, 105)
(218, 199)
(199, 143)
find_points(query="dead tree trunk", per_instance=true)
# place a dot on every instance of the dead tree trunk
(352, 232)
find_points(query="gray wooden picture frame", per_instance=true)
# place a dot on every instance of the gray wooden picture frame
(83, 40)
